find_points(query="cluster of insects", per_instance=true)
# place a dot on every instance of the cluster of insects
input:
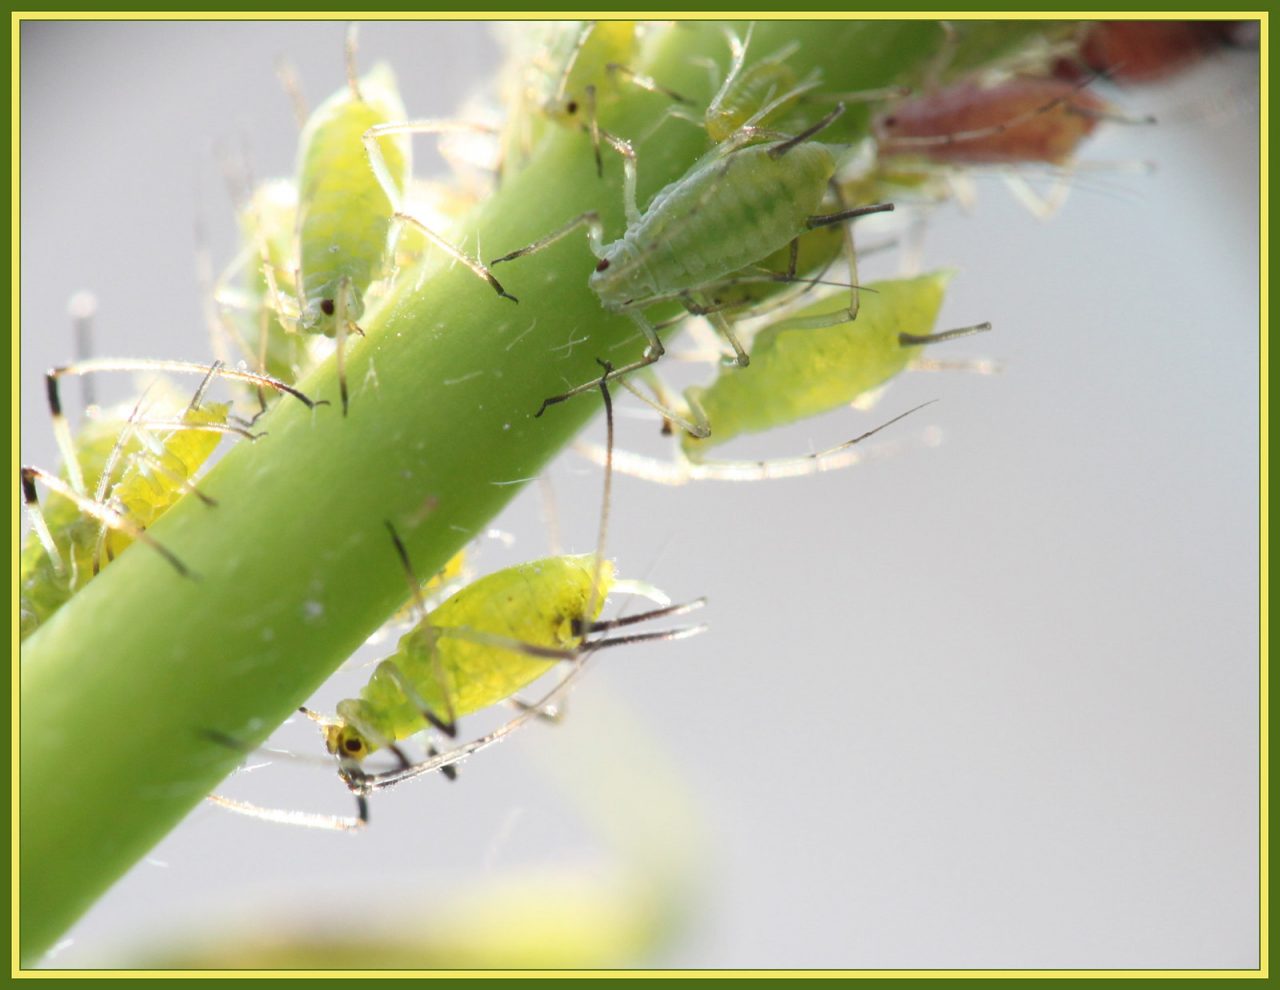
(750, 242)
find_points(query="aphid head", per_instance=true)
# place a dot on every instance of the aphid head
(620, 276)
(345, 742)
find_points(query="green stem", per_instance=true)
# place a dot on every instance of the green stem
(130, 692)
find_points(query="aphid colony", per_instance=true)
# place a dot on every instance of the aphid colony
(746, 240)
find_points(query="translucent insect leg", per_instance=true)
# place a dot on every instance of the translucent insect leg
(378, 162)
(340, 325)
(782, 148)
(31, 503)
(595, 238)
(449, 724)
(303, 819)
(474, 264)
(724, 328)
(647, 83)
(683, 470)
(62, 431)
(652, 352)
(695, 424)
(102, 513)
(628, 154)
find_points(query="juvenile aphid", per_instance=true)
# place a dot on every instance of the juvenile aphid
(797, 373)
(344, 209)
(756, 94)
(738, 205)
(141, 466)
(1019, 121)
(574, 69)
(479, 648)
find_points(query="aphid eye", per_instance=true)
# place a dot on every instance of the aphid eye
(890, 121)
(571, 106)
(602, 265)
(326, 307)
(352, 745)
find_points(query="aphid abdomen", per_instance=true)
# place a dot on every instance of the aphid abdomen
(723, 216)
(343, 212)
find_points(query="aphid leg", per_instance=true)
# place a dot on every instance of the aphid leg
(304, 819)
(449, 724)
(783, 147)
(699, 305)
(31, 502)
(595, 238)
(377, 160)
(684, 470)
(664, 402)
(472, 263)
(646, 83)
(178, 367)
(103, 514)
(652, 353)
(628, 154)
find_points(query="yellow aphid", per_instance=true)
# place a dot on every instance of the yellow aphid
(453, 661)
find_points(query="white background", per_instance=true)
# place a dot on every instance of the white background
(992, 703)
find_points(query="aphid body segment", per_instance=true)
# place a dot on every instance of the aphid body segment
(1022, 120)
(454, 660)
(343, 212)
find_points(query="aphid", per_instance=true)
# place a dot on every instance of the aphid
(254, 296)
(574, 71)
(797, 373)
(479, 648)
(1128, 52)
(755, 94)
(739, 204)
(343, 208)
(142, 466)
(1019, 121)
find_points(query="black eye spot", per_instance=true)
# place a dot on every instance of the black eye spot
(326, 307)
(890, 121)
(352, 745)
(602, 265)
(571, 106)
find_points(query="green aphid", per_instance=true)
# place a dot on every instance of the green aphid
(797, 372)
(445, 664)
(343, 212)
(144, 479)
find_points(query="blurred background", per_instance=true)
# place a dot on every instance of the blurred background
(986, 703)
